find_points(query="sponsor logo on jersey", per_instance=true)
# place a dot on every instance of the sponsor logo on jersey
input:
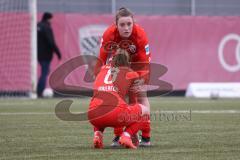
(147, 49)
(132, 48)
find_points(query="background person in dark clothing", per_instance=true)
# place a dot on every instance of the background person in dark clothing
(46, 47)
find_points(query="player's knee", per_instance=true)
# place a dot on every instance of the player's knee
(145, 109)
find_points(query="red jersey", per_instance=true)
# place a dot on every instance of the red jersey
(116, 81)
(138, 48)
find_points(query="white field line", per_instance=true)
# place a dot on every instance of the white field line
(26, 113)
(155, 112)
(201, 111)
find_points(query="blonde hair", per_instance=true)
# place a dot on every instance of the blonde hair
(121, 58)
(123, 12)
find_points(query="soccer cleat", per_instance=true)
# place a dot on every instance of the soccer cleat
(115, 142)
(135, 140)
(145, 142)
(126, 141)
(98, 139)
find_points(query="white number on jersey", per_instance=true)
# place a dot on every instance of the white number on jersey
(112, 72)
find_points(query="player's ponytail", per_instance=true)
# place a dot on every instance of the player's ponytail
(121, 58)
(123, 12)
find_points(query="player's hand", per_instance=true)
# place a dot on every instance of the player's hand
(138, 86)
(138, 82)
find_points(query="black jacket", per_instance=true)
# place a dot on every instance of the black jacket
(45, 42)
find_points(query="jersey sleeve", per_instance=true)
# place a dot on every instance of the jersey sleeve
(143, 54)
(102, 57)
(106, 39)
(103, 54)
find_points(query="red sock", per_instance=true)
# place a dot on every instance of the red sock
(145, 126)
(118, 131)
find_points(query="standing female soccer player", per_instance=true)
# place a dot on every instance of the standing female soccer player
(126, 34)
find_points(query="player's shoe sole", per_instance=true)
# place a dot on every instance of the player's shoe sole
(144, 144)
(126, 142)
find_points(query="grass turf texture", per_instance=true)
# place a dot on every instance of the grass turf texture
(30, 130)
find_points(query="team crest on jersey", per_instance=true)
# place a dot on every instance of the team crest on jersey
(132, 48)
(90, 39)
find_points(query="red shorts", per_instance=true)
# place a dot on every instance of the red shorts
(119, 116)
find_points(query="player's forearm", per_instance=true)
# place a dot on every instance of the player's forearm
(145, 106)
(142, 99)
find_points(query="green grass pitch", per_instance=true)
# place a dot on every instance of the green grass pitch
(188, 129)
